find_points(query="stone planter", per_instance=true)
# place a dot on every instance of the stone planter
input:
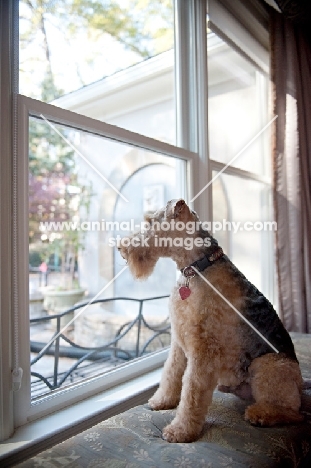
(57, 301)
(36, 305)
(99, 325)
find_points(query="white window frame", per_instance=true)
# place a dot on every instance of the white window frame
(192, 146)
(25, 410)
(6, 247)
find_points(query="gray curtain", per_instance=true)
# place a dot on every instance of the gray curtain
(291, 77)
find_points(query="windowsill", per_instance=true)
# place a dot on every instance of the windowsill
(39, 435)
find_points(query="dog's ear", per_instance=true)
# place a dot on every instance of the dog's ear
(179, 206)
(176, 208)
(148, 216)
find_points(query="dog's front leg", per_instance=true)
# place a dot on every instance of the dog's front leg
(198, 384)
(168, 394)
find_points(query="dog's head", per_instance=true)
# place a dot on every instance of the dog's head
(174, 209)
(164, 234)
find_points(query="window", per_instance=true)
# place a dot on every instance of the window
(238, 112)
(84, 150)
(107, 60)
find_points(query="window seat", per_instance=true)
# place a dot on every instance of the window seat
(133, 438)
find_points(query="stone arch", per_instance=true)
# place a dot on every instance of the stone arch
(134, 161)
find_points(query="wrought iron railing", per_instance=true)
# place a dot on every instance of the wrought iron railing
(90, 361)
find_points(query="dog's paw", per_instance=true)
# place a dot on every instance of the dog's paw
(267, 415)
(255, 416)
(161, 403)
(176, 432)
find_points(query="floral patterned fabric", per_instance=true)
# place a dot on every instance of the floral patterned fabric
(133, 439)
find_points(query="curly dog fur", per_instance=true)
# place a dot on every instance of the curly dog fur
(211, 345)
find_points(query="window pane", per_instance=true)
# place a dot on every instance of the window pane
(77, 209)
(110, 60)
(238, 109)
(238, 112)
(244, 228)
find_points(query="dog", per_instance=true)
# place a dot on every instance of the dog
(224, 331)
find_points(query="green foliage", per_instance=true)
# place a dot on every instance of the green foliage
(142, 27)
(56, 194)
(51, 170)
(132, 23)
(48, 152)
(35, 258)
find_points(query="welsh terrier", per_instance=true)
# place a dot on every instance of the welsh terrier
(211, 343)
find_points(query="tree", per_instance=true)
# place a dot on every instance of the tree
(143, 28)
(137, 29)
(51, 171)
(55, 192)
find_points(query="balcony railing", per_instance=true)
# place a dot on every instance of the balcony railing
(90, 361)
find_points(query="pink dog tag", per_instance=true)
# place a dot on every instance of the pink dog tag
(184, 292)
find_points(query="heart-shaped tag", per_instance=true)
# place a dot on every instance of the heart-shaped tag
(184, 292)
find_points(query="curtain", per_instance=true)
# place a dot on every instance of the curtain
(291, 78)
(298, 11)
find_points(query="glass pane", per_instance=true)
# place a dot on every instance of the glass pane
(110, 60)
(238, 109)
(244, 228)
(77, 210)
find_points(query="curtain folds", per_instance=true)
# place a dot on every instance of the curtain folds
(291, 77)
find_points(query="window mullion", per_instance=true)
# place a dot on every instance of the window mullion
(191, 94)
(236, 171)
